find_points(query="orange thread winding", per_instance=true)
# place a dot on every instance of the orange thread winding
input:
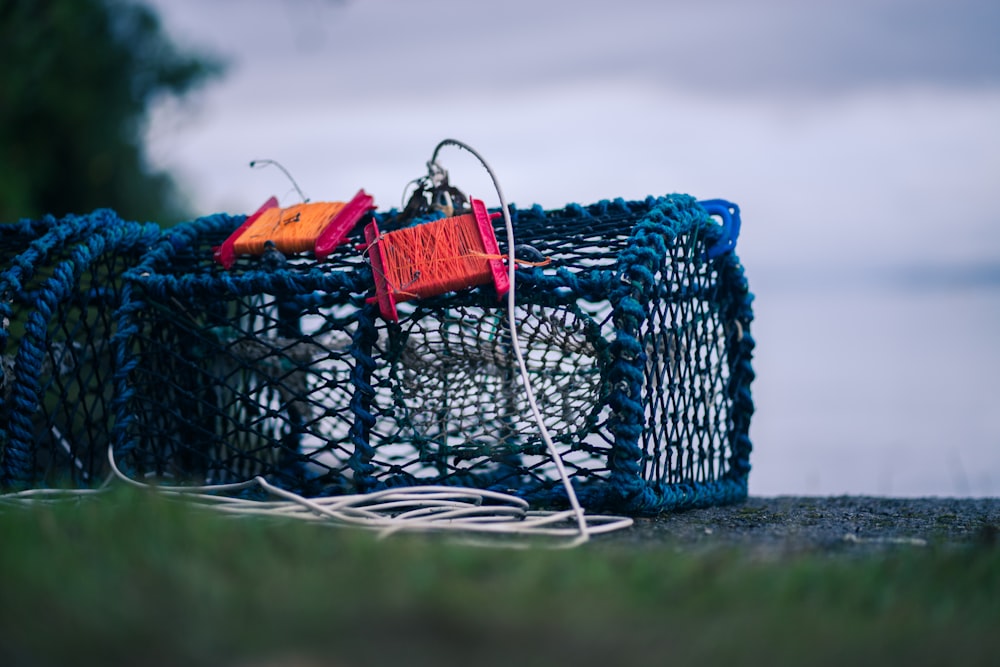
(435, 257)
(293, 229)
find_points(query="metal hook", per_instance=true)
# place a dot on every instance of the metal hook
(433, 193)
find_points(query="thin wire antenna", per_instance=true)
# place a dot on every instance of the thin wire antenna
(264, 163)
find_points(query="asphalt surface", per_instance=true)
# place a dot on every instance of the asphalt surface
(783, 525)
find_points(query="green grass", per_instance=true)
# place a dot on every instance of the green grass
(134, 579)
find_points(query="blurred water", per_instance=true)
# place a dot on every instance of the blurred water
(881, 385)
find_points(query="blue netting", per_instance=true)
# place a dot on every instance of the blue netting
(636, 337)
(59, 290)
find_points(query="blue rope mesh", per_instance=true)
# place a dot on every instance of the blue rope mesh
(636, 336)
(60, 288)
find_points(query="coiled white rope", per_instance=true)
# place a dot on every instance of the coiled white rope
(442, 509)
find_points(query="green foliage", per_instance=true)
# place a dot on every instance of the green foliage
(77, 80)
(134, 579)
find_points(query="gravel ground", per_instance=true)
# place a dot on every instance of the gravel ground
(784, 525)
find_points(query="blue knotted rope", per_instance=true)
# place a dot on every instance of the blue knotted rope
(100, 233)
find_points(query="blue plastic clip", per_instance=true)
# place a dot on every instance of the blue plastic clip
(730, 214)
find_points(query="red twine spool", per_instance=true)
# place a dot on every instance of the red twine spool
(435, 257)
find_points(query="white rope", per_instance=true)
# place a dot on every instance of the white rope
(516, 347)
(442, 509)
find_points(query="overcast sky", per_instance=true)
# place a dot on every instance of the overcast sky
(762, 47)
(858, 136)
(872, 116)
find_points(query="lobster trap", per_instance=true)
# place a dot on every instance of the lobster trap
(635, 335)
(60, 286)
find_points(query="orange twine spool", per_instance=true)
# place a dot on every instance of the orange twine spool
(434, 258)
(318, 227)
(293, 229)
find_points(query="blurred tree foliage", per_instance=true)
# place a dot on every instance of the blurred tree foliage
(77, 78)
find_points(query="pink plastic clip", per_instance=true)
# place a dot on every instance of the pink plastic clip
(341, 225)
(225, 254)
(386, 301)
(489, 237)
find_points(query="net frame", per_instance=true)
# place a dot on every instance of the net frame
(664, 323)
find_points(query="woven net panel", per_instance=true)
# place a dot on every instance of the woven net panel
(451, 402)
(59, 361)
(28, 255)
(77, 379)
(231, 385)
(687, 435)
(578, 238)
(693, 351)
